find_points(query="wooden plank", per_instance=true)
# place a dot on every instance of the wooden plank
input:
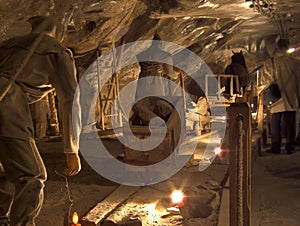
(144, 130)
(260, 114)
(104, 208)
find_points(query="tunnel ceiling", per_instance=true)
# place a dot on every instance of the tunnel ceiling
(212, 29)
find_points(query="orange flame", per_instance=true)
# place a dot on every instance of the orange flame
(75, 218)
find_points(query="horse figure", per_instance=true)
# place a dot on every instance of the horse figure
(238, 67)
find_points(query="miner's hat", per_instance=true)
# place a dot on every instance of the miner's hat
(44, 24)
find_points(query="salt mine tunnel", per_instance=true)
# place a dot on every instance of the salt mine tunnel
(169, 120)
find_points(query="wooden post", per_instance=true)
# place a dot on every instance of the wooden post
(240, 163)
(54, 123)
(40, 112)
(260, 114)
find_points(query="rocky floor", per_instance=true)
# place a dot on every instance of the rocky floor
(276, 189)
(275, 193)
(84, 191)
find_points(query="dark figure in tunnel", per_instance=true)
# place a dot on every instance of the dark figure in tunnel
(49, 66)
(285, 71)
(155, 84)
(238, 67)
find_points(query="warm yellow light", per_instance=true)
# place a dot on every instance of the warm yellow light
(246, 4)
(177, 196)
(150, 209)
(75, 218)
(291, 50)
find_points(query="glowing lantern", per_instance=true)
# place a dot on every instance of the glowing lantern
(177, 197)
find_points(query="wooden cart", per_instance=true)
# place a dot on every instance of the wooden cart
(167, 146)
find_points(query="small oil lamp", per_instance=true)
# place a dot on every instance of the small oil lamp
(75, 219)
(178, 198)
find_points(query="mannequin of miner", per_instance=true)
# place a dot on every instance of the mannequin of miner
(50, 66)
(153, 106)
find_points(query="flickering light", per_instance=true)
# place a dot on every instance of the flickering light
(177, 197)
(218, 151)
(75, 219)
(291, 50)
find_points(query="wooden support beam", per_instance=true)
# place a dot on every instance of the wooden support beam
(260, 114)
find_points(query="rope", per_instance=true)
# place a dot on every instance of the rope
(240, 178)
(13, 78)
(70, 199)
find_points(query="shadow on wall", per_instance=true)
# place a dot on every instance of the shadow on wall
(216, 68)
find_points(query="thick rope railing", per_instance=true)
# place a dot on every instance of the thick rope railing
(240, 171)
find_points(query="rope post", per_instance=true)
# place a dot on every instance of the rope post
(240, 163)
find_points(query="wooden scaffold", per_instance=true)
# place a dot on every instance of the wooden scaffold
(109, 91)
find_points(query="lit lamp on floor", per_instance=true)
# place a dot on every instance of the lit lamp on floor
(177, 198)
(75, 220)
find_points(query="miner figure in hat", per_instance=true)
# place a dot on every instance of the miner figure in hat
(46, 64)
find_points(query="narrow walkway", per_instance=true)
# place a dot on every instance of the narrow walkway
(149, 205)
(276, 190)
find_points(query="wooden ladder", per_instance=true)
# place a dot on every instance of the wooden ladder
(107, 105)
